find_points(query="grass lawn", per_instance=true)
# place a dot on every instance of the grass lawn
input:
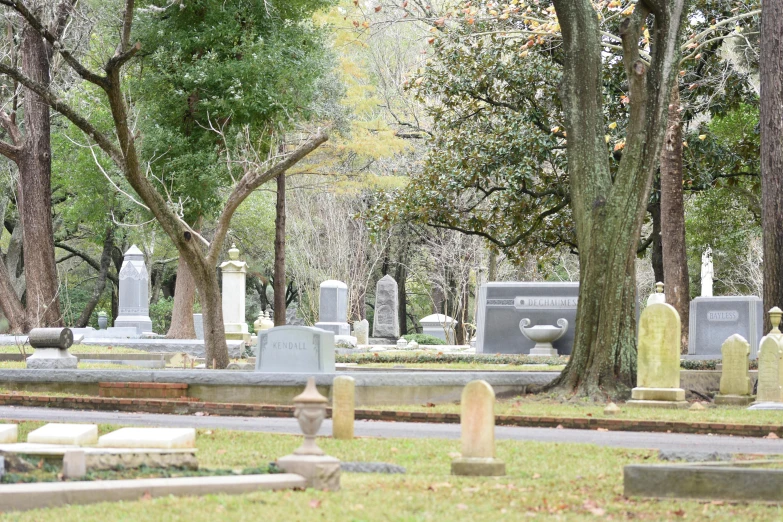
(545, 482)
(543, 406)
(77, 348)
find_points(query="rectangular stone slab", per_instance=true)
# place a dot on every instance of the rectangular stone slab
(9, 433)
(73, 434)
(705, 482)
(163, 438)
(21, 497)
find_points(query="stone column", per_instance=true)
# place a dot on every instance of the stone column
(233, 295)
(343, 404)
(477, 419)
(333, 307)
(134, 309)
(386, 321)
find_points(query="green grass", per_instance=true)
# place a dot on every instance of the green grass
(545, 481)
(543, 406)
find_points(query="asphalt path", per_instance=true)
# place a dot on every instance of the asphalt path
(621, 439)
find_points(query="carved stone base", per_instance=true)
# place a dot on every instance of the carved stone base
(734, 400)
(658, 394)
(320, 471)
(52, 359)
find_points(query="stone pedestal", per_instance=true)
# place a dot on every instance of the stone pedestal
(333, 307)
(320, 471)
(51, 349)
(770, 382)
(658, 374)
(233, 297)
(134, 307)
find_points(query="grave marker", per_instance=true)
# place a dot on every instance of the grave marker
(134, 307)
(386, 322)
(51, 349)
(361, 330)
(295, 349)
(477, 421)
(233, 297)
(735, 387)
(333, 307)
(343, 404)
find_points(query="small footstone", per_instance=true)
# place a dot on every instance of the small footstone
(611, 409)
(67, 434)
(160, 438)
(696, 406)
(74, 464)
(9, 433)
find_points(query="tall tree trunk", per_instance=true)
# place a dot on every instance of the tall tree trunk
(675, 258)
(115, 303)
(182, 326)
(401, 275)
(771, 71)
(100, 285)
(493, 266)
(279, 286)
(10, 304)
(656, 253)
(609, 207)
(35, 201)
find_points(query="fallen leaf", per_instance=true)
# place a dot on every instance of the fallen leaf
(679, 513)
(471, 490)
(536, 476)
(602, 429)
(220, 451)
(146, 496)
(315, 503)
(559, 427)
(394, 450)
(437, 485)
(358, 507)
(772, 435)
(462, 506)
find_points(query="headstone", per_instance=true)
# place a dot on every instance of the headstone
(402, 343)
(658, 296)
(51, 349)
(714, 319)
(333, 307)
(386, 321)
(295, 349)
(198, 325)
(161, 438)
(343, 404)
(735, 386)
(233, 297)
(134, 307)
(658, 360)
(9, 433)
(707, 272)
(440, 326)
(477, 421)
(74, 464)
(361, 330)
(68, 434)
(501, 306)
(770, 368)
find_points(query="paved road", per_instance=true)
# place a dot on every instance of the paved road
(665, 441)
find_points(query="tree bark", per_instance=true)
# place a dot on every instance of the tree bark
(771, 124)
(182, 326)
(401, 275)
(609, 207)
(100, 285)
(279, 286)
(10, 304)
(656, 253)
(675, 258)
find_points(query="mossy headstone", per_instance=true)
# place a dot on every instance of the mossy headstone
(477, 421)
(735, 387)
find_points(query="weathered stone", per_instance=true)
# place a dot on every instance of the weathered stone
(694, 456)
(295, 349)
(72, 434)
(477, 421)
(198, 325)
(161, 438)
(386, 322)
(61, 338)
(440, 326)
(233, 296)
(735, 386)
(333, 307)
(343, 404)
(52, 359)
(319, 471)
(714, 319)
(371, 467)
(134, 307)
(74, 464)
(9, 433)
(658, 363)
(361, 330)
(769, 383)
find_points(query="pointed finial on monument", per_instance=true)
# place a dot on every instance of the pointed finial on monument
(658, 287)
(774, 317)
(233, 252)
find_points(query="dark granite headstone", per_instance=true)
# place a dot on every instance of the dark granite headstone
(712, 320)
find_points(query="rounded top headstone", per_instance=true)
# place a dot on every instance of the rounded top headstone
(134, 254)
(233, 252)
(333, 283)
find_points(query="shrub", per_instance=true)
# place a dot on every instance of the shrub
(423, 339)
(160, 313)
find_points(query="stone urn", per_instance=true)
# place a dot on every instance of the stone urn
(103, 321)
(310, 412)
(263, 322)
(543, 335)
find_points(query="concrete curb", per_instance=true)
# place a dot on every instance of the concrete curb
(22, 497)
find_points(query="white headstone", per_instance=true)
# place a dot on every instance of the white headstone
(233, 296)
(333, 307)
(386, 322)
(134, 307)
(73, 434)
(295, 349)
(162, 438)
(706, 273)
(440, 326)
(8, 433)
(361, 330)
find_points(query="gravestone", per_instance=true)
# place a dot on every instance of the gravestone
(361, 330)
(735, 386)
(333, 307)
(233, 297)
(440, 326)
(295, 349)
(343, 404)
(658, 296)
(51, 349)
(714, 319)
(477, 422)
(386, 321)
(67, 434)
(501, 306)
(658, 364)
(769, 389)
(198, 325)
(134, 309)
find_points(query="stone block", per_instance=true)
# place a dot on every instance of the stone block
(9, 433)
(658, 394)
(361, 330)
(501, 306)
(733, 400)
(477, 422)
(74, 464)
(714, 319)
(320, 471)
(386, 321)
(198, 325)
(343, 405)
(295, 349)
(162, 438)
(478, 467)
(333, 303)
(52, 359)
(68, 434)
